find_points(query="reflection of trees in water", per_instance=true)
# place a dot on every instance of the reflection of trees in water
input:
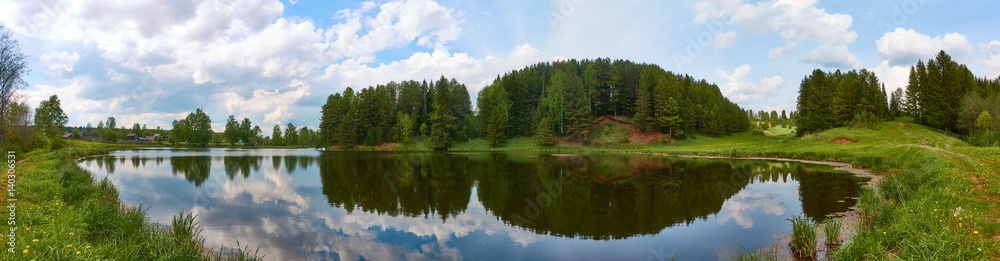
(643, 196)
(241, 165)
(590, 196)
(410, 184)
(276, 162)
(109, 162)
(194, 168)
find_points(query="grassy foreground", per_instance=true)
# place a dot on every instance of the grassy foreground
(938, 199)
(64, 214)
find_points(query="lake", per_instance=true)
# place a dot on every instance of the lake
(302, 204)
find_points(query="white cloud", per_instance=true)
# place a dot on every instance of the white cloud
(905, 47)
(725, 40)
(788, 49)
(991, 58)
(226, 56)
(737, 208)
(474, 73)
(59, 61)
(833, 56)
(793, 20)
(892, 76)
(739, 89)
(277, 105)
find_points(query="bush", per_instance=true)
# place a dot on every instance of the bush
(56, 142)
(38, 140)
(865, 120)
(985, 139)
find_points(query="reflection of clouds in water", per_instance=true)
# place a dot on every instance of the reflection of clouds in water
(288, 235)
(738, 207)
(475, 218)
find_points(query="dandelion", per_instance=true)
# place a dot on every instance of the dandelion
(71, 233)
(88, 247)
(975, 232)
(69, 245)
(34, 240)
(25, 251)
(77, 252)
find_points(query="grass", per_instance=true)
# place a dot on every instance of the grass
(832, 231)
(803, 237)
(64, 214)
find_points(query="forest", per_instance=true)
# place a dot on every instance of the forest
(941, 93)
(559, 98)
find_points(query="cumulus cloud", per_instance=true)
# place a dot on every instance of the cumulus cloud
(991, 58)
(833, 56)
(724, 40)
(892, 76)
(737, 208)
(227, 56)
(905, 47)
(739, 89)
(59, 61)
(793, 20)
(475, 73)
(788, 49)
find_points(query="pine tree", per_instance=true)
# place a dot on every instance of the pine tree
(578, 118)
(671, 120)
(543, 134)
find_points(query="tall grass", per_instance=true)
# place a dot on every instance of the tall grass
(832, 231)
(803, 237)
(66, 215)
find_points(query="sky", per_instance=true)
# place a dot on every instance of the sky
(275, 62)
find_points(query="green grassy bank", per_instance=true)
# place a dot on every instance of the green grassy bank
(62, 213)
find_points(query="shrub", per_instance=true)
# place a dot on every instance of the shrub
(38, 140)
(865, 120)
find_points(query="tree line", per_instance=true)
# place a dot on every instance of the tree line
(946, 95)
(553, 98)
(836, 99)
(438, 110)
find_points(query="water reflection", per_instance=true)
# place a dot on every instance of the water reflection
(481, 206)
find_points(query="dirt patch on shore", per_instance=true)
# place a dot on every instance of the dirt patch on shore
(844, 140)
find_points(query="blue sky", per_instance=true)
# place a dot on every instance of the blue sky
(276, 61)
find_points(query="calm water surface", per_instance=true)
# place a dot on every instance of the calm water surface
(310, 205)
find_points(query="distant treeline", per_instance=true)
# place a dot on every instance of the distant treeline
(565, 95)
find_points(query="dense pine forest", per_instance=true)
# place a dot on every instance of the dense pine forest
(560, 98)
(941, 93)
